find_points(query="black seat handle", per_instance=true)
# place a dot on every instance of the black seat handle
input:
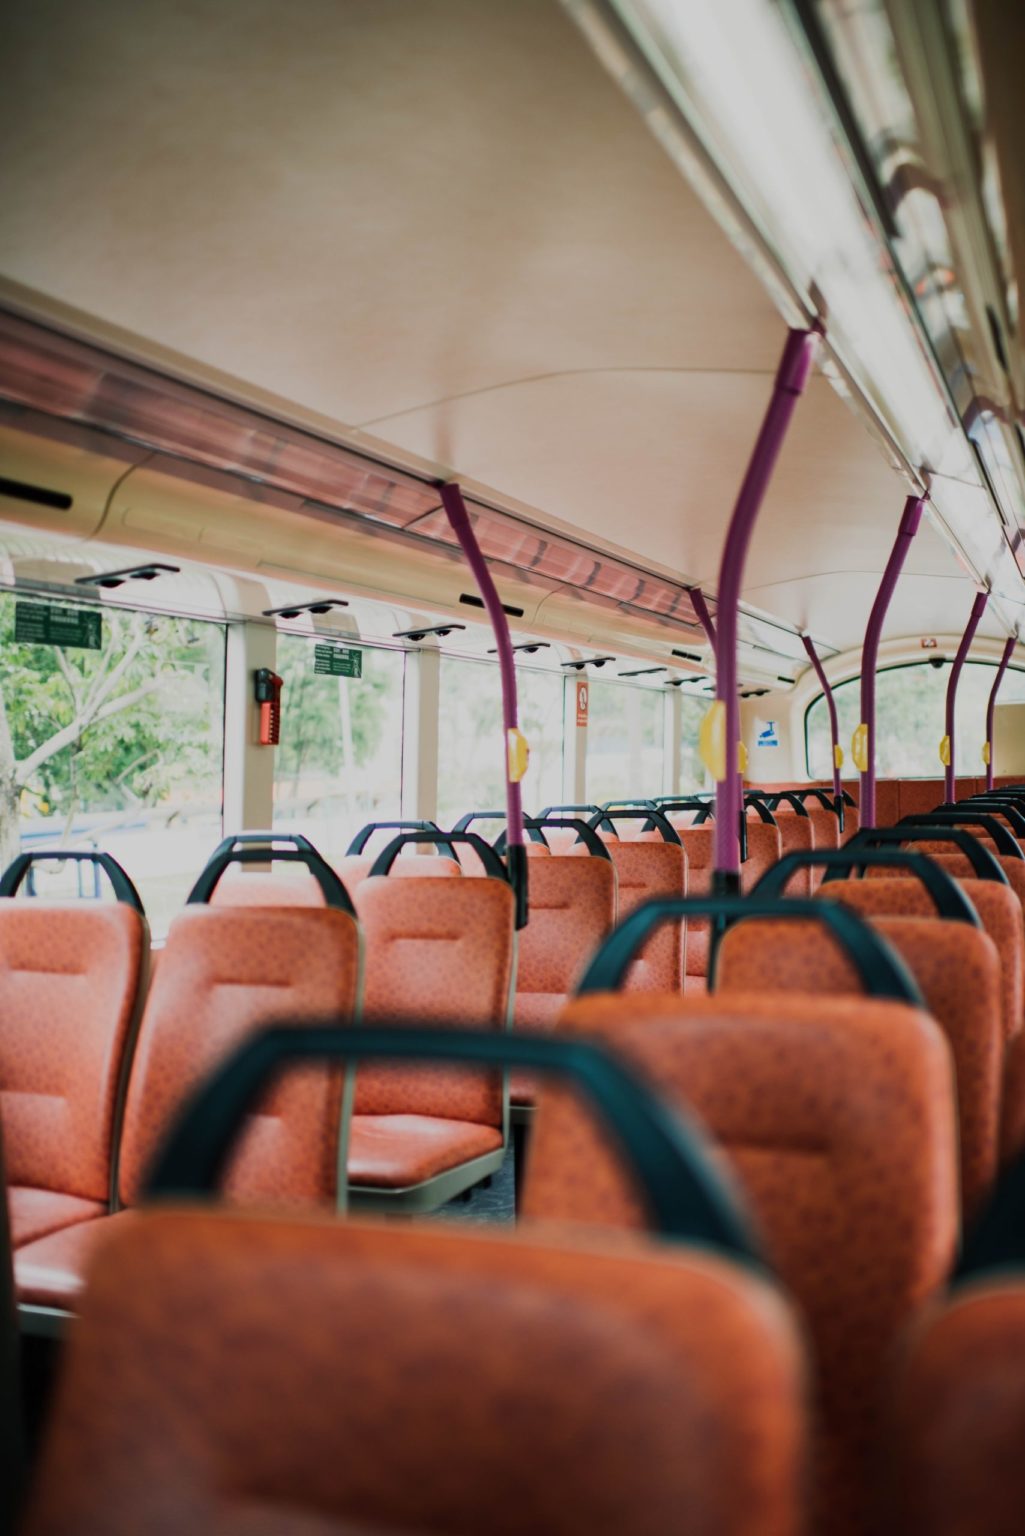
(242, 839)
(489, 858)
(585, 834)
(1003, 840)
(996, 1240)
(532, 827)
(364, 834)
(654, 821)
(949, 899)
(466, 822)
(332, 889)
(985, 865)
(667, 804)
(1011, 810)
(621, 805)
(121, 882)
(774, 800)
(688, 1199)
(881, 970)
(599, 817)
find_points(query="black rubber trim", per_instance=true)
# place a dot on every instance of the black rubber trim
(948, 897)
(654, 821)
(364, 834)
(334, 892)
(242, 839)
(1011, 810)
(585, 834)
(1003, 839)
(668, 804)
(599, 817)
(119, 878)
(687, 1198)
(985, 865)
(790, 795)
(466, 822)
(534, 830)
(882, 972)
(996, 1240)
(487, 855)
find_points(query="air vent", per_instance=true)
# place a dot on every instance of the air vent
(689, 655)
(39, 495)
(478, 602)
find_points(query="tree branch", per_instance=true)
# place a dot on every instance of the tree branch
(71, 733)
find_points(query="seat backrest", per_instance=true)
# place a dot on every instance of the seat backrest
(838, 1115)
(70, 980)
(999, 910)
(645, 871)
(441, 952)
(957, 1430)
(420, 1379)
(764, 848)
(225, 972)
(797, 834)
(958, 865)
(958, 970)
(266, 889)
(355, 867)
(572, 909)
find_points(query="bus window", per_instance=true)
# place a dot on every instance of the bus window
(692, 771)
(339, 761)
(624, 741)
(470, 747)
(909, 719)
(113, 739)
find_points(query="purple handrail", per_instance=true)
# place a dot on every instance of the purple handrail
(459, 520)
(978, 609)
(791, 377)
(697, 598)
(1011, 642)
(834, 724)
(910, 519)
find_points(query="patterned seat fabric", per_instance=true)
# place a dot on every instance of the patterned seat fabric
(69, 985)
(957, 1435)
(572, 908)
(838, 1116)
(439, 953)
(958, 970)
(224, 973)
(644, 871)
(764, 848)
(420, 1379)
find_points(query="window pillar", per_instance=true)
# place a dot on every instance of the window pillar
(421, 703)
(248, 767)
(672, 743)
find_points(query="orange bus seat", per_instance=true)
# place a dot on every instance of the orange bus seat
(224, 972)
(71, 977)
(420, 1379)
(838, 1115)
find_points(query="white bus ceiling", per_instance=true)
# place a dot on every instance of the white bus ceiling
(437, 230)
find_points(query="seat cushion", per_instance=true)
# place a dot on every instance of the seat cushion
(36, 1212)
(395, 1151)
(50, 1272)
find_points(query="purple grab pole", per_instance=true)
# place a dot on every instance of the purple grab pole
(910, 519)
(459, 520)
(1012, 641)
(697, 598)
(791, 377)
(834, 724)
(978, 609)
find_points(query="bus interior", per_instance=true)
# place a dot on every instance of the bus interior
(512, 768)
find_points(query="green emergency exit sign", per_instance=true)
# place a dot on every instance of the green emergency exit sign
(338, 660)
(43, 624)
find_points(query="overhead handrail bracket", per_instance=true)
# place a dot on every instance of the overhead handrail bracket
(515, 745)
(791, 378)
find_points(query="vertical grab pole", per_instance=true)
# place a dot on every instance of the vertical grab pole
(948, 746)
(834, 725)
(863, 746)
(721, 732)
(987, 750)
(515, 746)
(697, 598)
